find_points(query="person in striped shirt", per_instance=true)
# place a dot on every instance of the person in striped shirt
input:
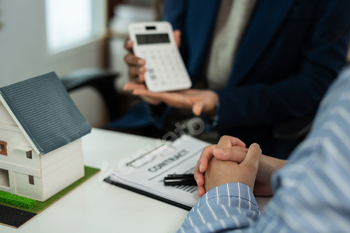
(311, 192)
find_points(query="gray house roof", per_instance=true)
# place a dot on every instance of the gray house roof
(45, 111)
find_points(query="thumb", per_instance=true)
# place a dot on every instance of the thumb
(235, 154)
(128, 45)
(197, 108)
(177, 36)
(253, 157)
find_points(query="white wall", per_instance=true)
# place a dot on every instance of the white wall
(55, 158)
(16, 163)
(23, 52)
(63, 176)
(14, 137)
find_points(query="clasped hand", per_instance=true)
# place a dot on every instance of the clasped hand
(230, 161)
(221, 172)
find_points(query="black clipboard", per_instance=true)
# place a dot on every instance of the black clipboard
(151, 195)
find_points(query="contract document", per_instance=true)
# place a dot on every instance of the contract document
(145, 173)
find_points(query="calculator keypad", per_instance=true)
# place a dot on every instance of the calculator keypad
(165, 69)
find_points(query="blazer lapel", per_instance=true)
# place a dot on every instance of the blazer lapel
(265, 21)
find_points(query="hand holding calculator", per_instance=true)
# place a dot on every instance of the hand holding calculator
(154, 42)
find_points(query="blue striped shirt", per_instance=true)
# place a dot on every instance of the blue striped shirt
(311, 192)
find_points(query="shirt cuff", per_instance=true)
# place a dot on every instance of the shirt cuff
(232, 194)
(226, 207)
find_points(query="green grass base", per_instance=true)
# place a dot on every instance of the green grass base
(13, 199)
(40, 206)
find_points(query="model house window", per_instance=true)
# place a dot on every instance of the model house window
(29, 154)
(3, 148)
(73, 23)
(4, 178)
(31, 179)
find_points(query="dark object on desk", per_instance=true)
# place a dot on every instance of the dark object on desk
(179, 179)
(147, 194)
(14, 217)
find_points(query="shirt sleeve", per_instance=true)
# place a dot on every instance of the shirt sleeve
(226, 207)
(311, 192)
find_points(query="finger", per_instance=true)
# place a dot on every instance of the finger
(177, 99)
(132, 60)
(229, 141)
(146, 92)
(197, 108)
(253, 157)
(201, 191)
(133, 86)
(198, 175)
(147, 96)
(202, 165)
(177, 36)
(128, 45)
(205, 157)
(170, 98)
(135, 71)
(151, 101)
(235, 154)
(141, 78)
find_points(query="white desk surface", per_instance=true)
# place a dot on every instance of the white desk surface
(96, 206)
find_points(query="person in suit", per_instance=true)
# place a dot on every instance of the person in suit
(252, 64)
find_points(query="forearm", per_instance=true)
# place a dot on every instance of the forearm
(263, 104)
(267, 167)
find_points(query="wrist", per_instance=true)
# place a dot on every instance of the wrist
(214, 105)
(212, 112)
(268, 165)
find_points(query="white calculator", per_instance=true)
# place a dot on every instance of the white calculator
(154, 42)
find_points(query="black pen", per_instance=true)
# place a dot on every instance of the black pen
(179, 179)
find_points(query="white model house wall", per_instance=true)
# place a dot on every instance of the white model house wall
(61, 168)
(19, 171)
(39, 176)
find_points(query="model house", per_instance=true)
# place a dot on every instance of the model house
(40, 138)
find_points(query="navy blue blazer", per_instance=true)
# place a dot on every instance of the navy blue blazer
(290, 53)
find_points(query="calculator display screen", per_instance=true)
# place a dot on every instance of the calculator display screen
(152, 38)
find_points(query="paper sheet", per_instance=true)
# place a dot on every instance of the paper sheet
(149, 177)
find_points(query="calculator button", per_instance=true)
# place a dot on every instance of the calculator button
(153, 77)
